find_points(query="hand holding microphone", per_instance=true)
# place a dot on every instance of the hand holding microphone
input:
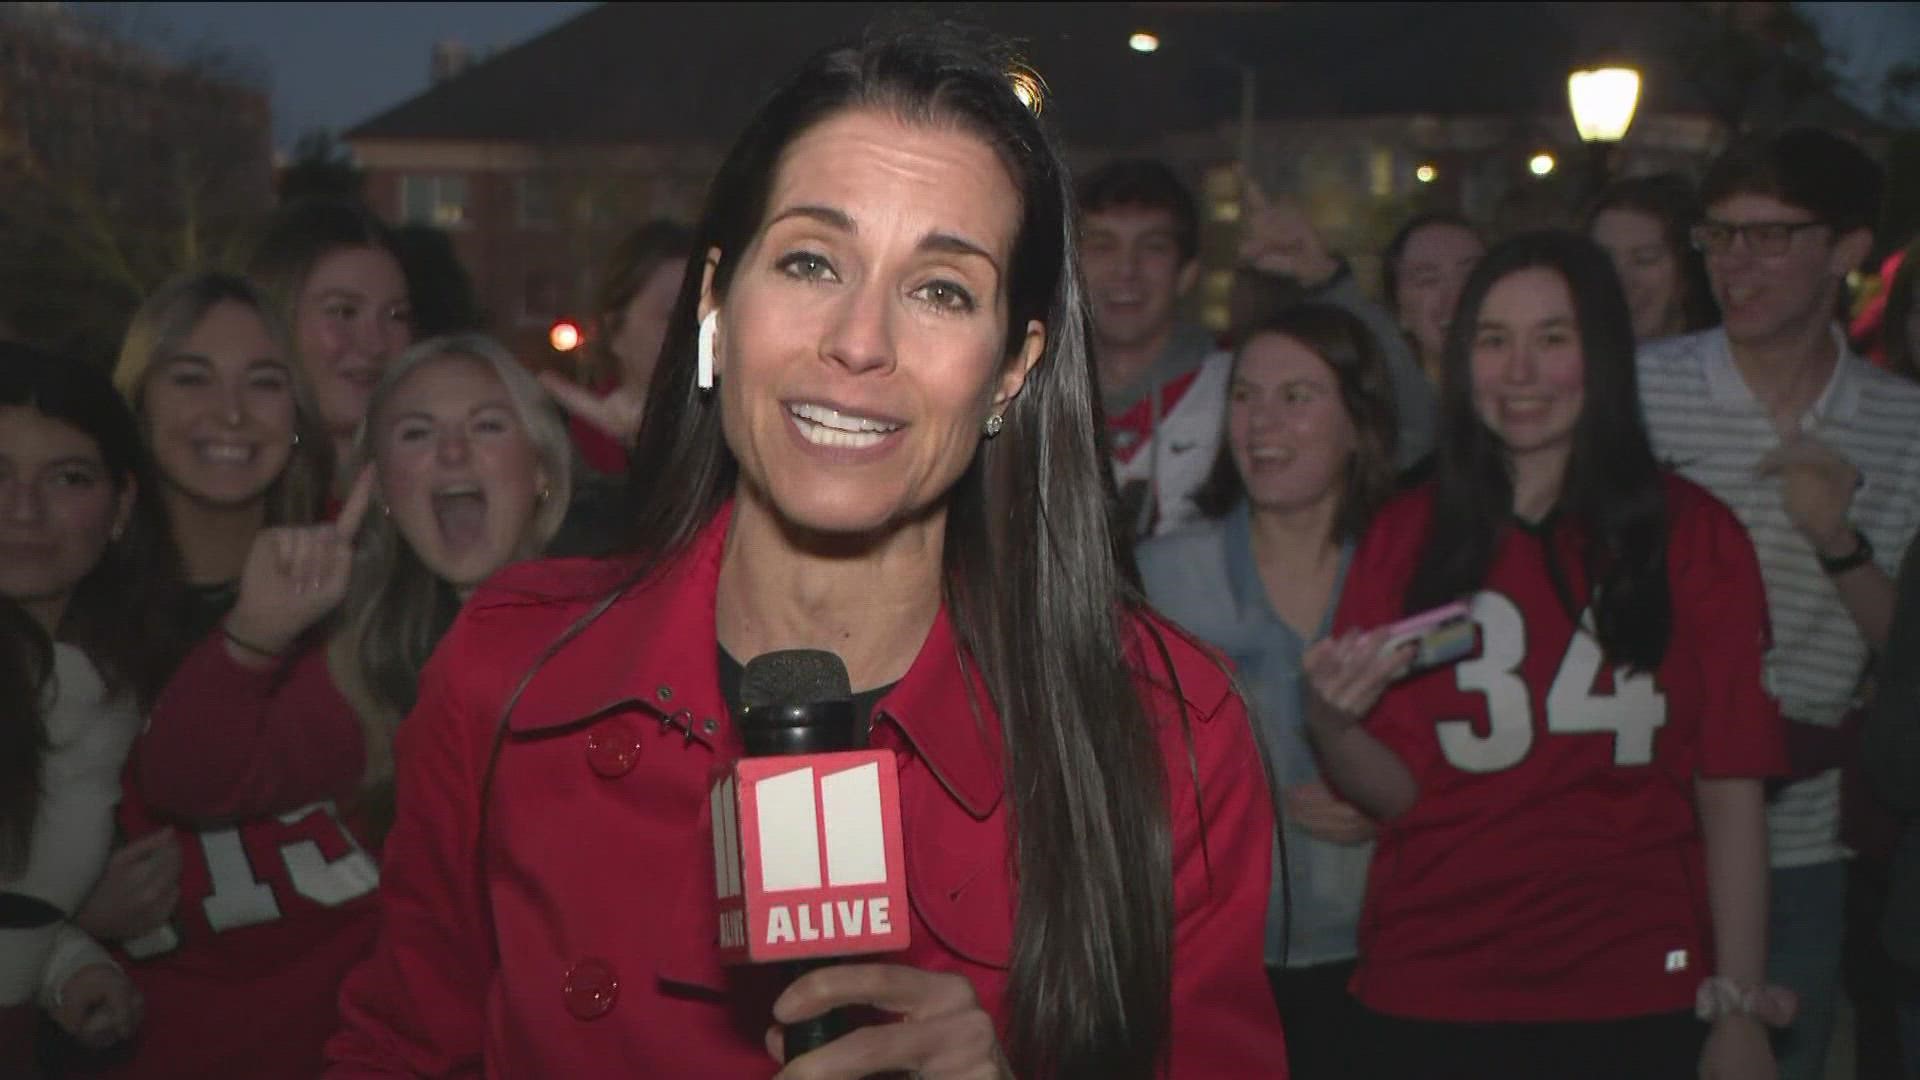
(809, 867)
(942, 1033)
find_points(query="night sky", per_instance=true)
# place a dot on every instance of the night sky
(333, 65)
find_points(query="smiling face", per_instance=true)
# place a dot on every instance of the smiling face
(1649, 271)
(1135, 273)
(862, 339)
(220, 410)
(59, 508)
(350, 318)
(1287, 427)
(1528, 368)
(1433, 266)
(1771, 298)
(457, 469)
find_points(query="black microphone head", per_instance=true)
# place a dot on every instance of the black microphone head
(794, 677)
(797, 701)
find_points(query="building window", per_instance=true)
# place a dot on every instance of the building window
(434, 200)
(538, 202)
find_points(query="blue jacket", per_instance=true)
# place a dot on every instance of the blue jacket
(1203, 578)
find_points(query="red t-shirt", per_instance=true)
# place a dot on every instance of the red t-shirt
(1552, 867)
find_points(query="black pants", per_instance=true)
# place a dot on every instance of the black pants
(1321, 1019)
(1660, 1047)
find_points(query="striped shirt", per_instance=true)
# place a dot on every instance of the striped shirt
(1707, 423)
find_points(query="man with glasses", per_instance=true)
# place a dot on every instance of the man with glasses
(1818, 453)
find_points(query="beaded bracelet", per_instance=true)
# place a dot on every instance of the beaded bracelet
(1721, 996)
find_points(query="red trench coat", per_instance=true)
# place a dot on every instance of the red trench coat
(576, 937)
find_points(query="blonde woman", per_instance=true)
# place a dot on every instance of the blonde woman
(281, 720)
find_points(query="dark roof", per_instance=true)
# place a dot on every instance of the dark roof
(693, 73)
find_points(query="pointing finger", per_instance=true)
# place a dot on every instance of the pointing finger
(359, 498)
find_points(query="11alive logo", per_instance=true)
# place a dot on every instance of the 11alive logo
(807, 856)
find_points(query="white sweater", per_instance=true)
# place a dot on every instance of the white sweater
(88, 735)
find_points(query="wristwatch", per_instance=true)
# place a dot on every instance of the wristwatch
(1861, 555)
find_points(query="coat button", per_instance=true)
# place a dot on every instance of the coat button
(709, 725)
(590, 988)
(612, 749)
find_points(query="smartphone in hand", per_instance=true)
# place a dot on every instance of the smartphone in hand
(1442, 635)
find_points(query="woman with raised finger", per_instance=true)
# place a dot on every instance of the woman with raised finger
(285, 715)
(895, 459)
(1308, 457)
(237, 449)
(1571, 864)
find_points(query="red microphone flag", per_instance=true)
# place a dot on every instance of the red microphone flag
(808, 860)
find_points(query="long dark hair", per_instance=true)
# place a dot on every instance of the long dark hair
(1038, 579)
(1668, 199)
(26, 662)
(1346, 346)
(119, 610)
(1612, 490)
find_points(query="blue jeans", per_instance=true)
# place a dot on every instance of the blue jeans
(1806, 924)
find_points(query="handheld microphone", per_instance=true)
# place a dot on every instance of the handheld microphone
(808, 858)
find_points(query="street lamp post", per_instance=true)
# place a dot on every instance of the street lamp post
(1602, 100)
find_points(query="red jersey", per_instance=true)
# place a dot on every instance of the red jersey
(1552, 867)
(275, 908)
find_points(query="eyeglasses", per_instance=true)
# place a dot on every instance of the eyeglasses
(1766, 238)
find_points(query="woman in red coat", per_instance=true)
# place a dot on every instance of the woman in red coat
(896, 459)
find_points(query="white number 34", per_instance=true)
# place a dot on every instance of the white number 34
(1632, 713)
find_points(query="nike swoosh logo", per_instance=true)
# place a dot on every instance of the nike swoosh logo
(1180, 447)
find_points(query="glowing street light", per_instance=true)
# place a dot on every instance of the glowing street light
(1603, 100)
(565, 336)
(1541, 164)
(1143, 42)
(1426, 174)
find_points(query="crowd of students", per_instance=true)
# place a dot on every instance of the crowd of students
(1609, 837)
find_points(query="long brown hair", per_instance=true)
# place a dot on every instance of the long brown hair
(1346, 346)
(1038, 576)
(121, 612)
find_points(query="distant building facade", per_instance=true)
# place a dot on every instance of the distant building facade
(537, 158)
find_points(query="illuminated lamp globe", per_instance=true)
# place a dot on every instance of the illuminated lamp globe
(1602, 101)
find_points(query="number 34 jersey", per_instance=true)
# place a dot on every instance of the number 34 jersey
(1551, 867)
